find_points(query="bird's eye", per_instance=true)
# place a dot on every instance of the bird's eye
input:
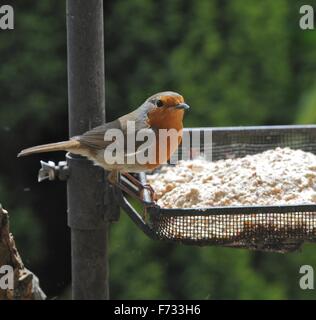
(159, 103)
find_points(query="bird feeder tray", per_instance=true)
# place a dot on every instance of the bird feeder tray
(266, 228)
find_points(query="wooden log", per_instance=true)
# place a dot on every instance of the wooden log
(25, 283)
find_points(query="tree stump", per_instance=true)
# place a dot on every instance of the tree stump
(25, 283)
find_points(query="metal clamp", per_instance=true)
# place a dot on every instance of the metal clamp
(50, 171)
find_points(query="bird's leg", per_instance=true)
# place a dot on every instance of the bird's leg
(139, 185)
(113, 177)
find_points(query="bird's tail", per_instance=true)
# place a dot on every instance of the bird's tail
(58, 146)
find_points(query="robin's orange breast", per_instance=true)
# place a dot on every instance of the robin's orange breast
(168, 123)
(164, 150)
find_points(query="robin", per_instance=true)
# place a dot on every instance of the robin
(164, 110)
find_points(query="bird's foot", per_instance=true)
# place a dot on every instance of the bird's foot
(140, 187)
(114, 179)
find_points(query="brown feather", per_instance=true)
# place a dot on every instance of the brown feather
(59, 146)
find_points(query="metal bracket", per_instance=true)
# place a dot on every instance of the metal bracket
(50, 171)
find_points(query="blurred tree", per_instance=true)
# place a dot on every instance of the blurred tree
(307, 107)
(33, 69)
(233, 60)
(33, 109)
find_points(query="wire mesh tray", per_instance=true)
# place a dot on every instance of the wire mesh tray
(267, 228)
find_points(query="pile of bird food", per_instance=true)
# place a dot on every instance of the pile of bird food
(275, 177)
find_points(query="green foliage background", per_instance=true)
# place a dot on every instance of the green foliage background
(237, 62)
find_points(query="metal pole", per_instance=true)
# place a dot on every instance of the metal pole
(86, 184)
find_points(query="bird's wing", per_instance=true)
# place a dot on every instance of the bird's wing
(95, 138)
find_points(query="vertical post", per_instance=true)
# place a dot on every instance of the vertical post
(86, 184)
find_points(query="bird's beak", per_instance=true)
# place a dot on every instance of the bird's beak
(183, 106)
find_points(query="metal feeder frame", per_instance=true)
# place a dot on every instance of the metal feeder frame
(202, 226)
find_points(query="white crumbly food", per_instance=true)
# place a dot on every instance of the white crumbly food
(274, 177)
